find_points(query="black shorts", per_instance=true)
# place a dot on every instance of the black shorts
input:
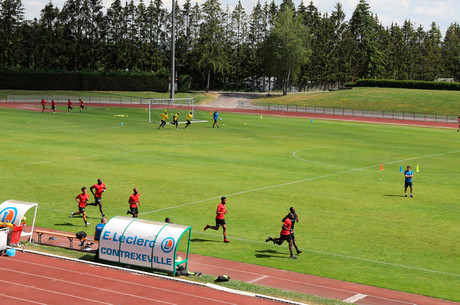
(134, 210)
(285, 238)
(97, 200)
(53, 107)
(220, 222)
(406, 184)
(81, 210)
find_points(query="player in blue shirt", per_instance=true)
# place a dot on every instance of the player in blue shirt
(408, 175)
(216, 116)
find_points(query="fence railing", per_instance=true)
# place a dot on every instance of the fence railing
(384, 114)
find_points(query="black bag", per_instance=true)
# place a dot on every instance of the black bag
(222, 278)
(81, 235)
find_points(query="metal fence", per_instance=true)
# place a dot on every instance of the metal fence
(396, 115)
(86, 99)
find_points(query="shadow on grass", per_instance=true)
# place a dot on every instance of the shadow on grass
(200, 240)
(391, 195)
(67, 224)
(269, 254)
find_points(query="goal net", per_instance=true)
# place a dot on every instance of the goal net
(172, 106)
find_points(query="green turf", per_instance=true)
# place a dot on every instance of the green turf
(386, 99)
(353, 226)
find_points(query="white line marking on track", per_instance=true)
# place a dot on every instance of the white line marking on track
(258, 279)
(112, 279)
(21, 299)
(76, 284)
(355, 298)
(47, 290)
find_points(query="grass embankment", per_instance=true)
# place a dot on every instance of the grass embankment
(386, 99)
(355, 224)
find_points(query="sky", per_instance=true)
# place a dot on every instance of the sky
(420, 12)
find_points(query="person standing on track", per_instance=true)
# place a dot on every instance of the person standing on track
(164, 117)
(53, 106)
(220, 218)
(69, 105)
(133, 203)
(408, 175)
(458, 123)
(285, 234)
(189, 118)
(293, 220)
(100, 188)
(82, 199)
(43, 102)
(216, 117)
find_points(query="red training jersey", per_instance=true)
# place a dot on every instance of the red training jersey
(221, 209)
(82, 198)
(53, 103)
(81, 103)
(69, 103)
(99, 189)
(287, 224)
(134, 200)
(43, 102)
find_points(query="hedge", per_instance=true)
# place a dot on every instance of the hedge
(82, 81)
(410, 84)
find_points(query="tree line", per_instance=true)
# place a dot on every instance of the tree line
(221, 48)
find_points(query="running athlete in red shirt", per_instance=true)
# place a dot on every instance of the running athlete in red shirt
(82, 105)
(53, 106)
(69, 105)
(458, 123)
(285, 234)
(43, 105)
(293, 220)
(133, 202)
(100, 188)
(220, 218)
(82, 199)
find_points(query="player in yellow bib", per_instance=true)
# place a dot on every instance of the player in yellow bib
(189, 118)
(175, 118)
(164, 117)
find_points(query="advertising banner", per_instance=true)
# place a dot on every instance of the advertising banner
(141, 242)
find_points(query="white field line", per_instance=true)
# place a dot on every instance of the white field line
(343, 256)
(295, 155)
(295, 182)
(39, 162)
(95, 156)
(259, 278)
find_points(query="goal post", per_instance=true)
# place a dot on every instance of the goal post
(158, 106)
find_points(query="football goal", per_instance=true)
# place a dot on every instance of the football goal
(172, 106)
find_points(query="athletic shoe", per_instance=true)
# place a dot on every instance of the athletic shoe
(293, 257)
(87, 224)
(411, 196)
(269, 239)
(207, 227)
(298, 252)
(405, 195)
(71, 215)
(226, 241)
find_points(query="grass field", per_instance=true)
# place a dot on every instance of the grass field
(355, 225)
(386, 99)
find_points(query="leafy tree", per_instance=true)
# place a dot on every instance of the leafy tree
(450, 52)
(11, 18)
(286, 48)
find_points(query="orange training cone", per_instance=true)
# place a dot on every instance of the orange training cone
(381, 167)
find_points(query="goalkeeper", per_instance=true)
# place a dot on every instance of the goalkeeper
(164, 117)
(189, 118)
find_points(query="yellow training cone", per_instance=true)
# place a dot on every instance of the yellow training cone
(417, 169)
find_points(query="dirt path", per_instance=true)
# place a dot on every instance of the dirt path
(232, 99)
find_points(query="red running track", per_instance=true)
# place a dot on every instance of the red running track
(35, 279)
